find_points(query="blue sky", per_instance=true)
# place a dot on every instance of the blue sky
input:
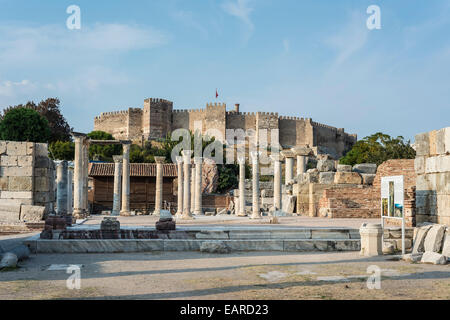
(307, 58)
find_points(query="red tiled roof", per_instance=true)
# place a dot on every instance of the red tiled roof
(136, 169)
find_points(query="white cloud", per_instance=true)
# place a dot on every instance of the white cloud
(187, 18)
(241, 10)
(10, 88)
(20, 44)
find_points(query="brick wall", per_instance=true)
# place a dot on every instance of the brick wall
(364, 201)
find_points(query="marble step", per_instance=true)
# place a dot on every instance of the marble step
(147, 245)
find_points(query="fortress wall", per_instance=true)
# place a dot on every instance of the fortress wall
(329, 137)
(157, 118)
(115, 123)
(215, 118)
(180, 119)
(134, 123)
(267, 121)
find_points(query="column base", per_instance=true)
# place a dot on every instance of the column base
(156, 213)
(256, 216)
(243, 214)
(79, 214)
(115, 213)
(125, 213)
(187, 217)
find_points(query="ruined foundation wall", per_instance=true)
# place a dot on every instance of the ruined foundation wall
(27, 175)
(432, 166)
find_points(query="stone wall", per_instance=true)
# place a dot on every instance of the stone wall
(27, 174)
(432, 166)
(157, 118)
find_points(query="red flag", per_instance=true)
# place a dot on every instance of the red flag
(217, 94)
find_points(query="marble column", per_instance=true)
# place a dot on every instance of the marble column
(61, 188)
(125, 211)
(69, 191)
(180, 186)
(78, 205)
(276, 182)
(289, 166)
(302, 158)
(187, 185)
(192, 185)
(241, 206)
(255, 185)
(159, 185)
(117, 184)
(198, 185)
(85, 176)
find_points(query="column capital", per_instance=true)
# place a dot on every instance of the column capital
(160, 159)
(301, 151)
(287, 154)
(241, 159)
(255, 155)
(118, 159)
(275, 157)
(187, 155)
(179, 159)
(198, 160)
(126, 142)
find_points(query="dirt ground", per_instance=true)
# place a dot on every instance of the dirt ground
(246, 276)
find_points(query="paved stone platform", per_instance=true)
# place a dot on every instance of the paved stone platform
(84, 239)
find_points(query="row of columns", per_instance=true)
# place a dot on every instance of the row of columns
(300, 152)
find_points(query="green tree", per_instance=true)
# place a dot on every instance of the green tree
(378, 148)
(50, 110)
(62, 150)
(103, 152)
(23, 124)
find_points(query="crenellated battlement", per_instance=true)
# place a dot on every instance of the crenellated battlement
(157, 100)
(216, 105)
(317, 124)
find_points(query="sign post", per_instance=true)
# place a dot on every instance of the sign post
(392, 205)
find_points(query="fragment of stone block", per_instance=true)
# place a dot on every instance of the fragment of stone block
(30, 213)
(326, 177)
(15, 148)
(440, 141)
(288, 203)
(447, 140)
(110, 224)
(8, 161)
(347, 178)
(433, 258)
(368, 178)
(41, 150)
(20, 183)
(2, 147)
(432, 139)
(412, 257)
(165, 225)
(214, 247)
(422, 143)
(446, 244)
(344, 168)
(222, 211)
(9, 260)
(419, 164)
(434, 238)
(365, 168)
(325, 165)
(388, 247)
(419, 239)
